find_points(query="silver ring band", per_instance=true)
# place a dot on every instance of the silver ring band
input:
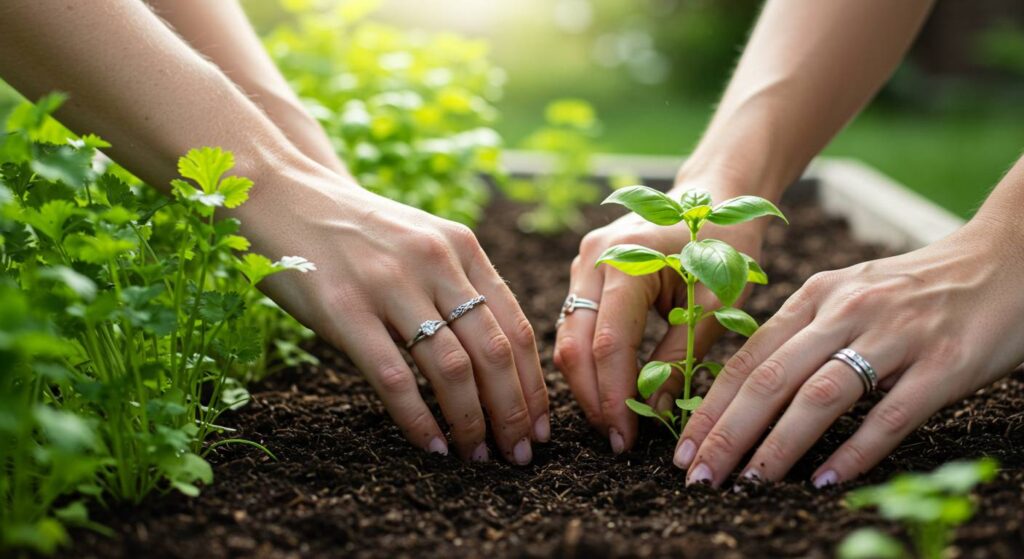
(573, 302)
(427, 328)
(865, 372)
(465, 307)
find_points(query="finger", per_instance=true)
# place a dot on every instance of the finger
(828, 394)
(442, 359)
(519, 332)
(617, 335)
(495, 373)
(791, 319)
(759, 400)
(574, 341)
(374, 353)
(910, 403)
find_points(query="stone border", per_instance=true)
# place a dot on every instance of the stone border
(879, 209)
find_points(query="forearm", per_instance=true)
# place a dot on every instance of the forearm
(221, 31)
(807, 69)
(135, 83)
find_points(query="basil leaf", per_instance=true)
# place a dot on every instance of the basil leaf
(736, 320)
(718, 266)
(743, 208)
(695, 197)
(653, 205)
(641, 408)
(634, 260)
(652, 376)
(754, 272)
(689, 404)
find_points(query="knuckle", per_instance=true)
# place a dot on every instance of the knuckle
(462, 237)
(574, 268)
(607, 344)
(592, 244)
(522, 333)
(454, 366)
(768, 379)
(568, 354)
(822, 391)
(738, 366)
(434, 248)
(817, 284)
(471, 427)
(537, 394)
(497, 349)
(395, 379)
(701, 421)
(719, 441)
(611, 403)
(854, 301)
(772, 452)
(421, 423)
(892, 418)
(517, 417)
(856, 455)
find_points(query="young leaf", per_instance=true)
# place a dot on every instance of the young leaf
(255, 267)
(736, 320)
(695, 215)
(650, 204)
(712, 367)
(641, 408)
(718, 266)
(652, 376)
(689, 404)
(754, 272)
(743, 208)
(634, 260)
(235, 190)
(205, 166)
(677, 316)
(694, 197)
(869, 543)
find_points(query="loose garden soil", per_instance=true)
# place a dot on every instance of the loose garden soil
(346, 484)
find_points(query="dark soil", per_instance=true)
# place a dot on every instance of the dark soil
(347, 484)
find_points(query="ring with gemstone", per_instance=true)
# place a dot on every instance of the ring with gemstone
(573, 302)
(466, 307)
(866, 373)
(427, 329)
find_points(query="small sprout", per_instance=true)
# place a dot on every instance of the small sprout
(929, 505)
(722, 269)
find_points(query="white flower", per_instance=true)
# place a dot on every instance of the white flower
(296, 263)
(214, 200)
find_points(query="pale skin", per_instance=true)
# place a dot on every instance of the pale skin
(383, 268)
(937, 323)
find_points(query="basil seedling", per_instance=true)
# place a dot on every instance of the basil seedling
(715, 264)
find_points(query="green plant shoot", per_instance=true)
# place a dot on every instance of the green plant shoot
(715, 264)
(928, 505)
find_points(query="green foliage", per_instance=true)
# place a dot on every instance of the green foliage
(125, 319)
(929, 506)
(409, 114)
(567, 136)
(713, 263)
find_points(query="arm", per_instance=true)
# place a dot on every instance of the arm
(220, 31)
(137, 84)
(808, 68)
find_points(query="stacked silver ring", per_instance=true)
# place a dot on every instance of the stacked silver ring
(865, 372)
(466, 307)
(573, 302)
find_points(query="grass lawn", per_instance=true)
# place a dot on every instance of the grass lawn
(954, 160)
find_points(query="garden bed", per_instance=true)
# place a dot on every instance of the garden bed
(347, 484)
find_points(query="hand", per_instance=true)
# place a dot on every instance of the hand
(597, 352)
(383, 269)
(936, 324)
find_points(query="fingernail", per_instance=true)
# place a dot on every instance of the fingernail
(684, 454)
(522, 452)
(480, 454)
(828, 477)
(700, 474)
(542, 428)
(438, 446)
(618, 444)
(664, 403)
(752, 474)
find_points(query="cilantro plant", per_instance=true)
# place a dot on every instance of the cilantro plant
(713, 263)
(556, 196)
(125, 325)
(930, 506)
(410, 114)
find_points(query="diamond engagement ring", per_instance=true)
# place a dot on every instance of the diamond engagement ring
(866, 373)
(427, 329)
(466, 307)
(573, 302)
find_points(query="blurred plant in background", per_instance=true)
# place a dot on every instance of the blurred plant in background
(125, 325)
(557, 195)
(409, 113)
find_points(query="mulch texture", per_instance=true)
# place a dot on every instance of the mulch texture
(348, 485)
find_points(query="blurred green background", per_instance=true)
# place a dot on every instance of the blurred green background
(947, 125)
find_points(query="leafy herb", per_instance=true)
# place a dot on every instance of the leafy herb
(713, 263)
